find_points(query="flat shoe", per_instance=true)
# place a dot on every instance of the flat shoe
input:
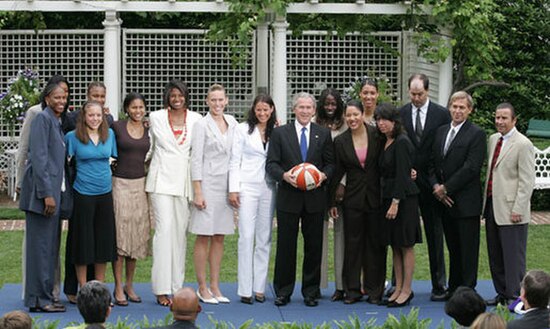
(221, 299)
(163, 300)
(260, 298)
(246, 300)
(71, 299)
(211, 300)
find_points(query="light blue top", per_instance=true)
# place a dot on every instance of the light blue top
(93, 170)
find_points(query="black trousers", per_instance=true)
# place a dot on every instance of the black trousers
(462, 236)
(365, 251)
(288, 225)
(506, 247)
(433, 227)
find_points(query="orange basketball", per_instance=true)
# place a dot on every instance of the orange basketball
(307, 176)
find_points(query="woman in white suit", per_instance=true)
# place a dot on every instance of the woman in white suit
(212, 216)
(251, 192)
(169, 186)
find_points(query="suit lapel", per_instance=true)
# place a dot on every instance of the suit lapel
(506, 148)
(349, 149)
(293, 140)
(459, 136)
(407, 120)
(313, 139)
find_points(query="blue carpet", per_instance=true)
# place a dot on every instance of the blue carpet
(237, 313)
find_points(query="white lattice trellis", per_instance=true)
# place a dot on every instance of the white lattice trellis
(316, 60)
(152, 57)
(78, 55)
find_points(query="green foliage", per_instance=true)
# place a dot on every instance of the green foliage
(22, 92)
(237, 26)
(46, 324)
(408, 321)
(386, 94)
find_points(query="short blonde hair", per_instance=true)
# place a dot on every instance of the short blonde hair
(462, 95)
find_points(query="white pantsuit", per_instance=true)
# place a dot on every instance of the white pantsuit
(247, 176)
(169, 186)
(171, 214)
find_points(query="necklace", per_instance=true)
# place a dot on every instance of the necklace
(179, 134)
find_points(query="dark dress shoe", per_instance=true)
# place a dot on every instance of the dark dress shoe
(71, 299)
(439, 296)
(338, 295)
(311, 302)
(51, 308)
(351, 300)
(260, 298)
(282, 300)
(390, 291)
(246, 300)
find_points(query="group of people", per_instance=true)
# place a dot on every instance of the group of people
(380, 169)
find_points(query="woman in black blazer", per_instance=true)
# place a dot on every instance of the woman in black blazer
(399, 200)
(356, 154)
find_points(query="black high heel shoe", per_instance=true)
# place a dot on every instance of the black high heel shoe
(405, 303)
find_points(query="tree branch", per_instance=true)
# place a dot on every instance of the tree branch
(492, 83)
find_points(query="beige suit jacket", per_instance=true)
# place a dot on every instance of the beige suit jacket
(513, 178)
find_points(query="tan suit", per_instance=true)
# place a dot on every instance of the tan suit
(513, 178)
(513, 182)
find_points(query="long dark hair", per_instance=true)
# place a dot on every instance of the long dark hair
(322, 118)
(252, 120)
(389, 112)
(81, 130)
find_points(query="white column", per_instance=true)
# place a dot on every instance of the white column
(279, 76)
(446, 77)
(111, 61)
(262, 59)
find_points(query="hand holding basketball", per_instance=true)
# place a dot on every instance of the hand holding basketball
(307, 176)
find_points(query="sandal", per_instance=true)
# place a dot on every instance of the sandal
(122, 302)
(133, 299)
(163, 300)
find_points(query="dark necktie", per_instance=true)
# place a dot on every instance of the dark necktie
(451, 137)
(493, 162)
(418, 126)
(303, 144)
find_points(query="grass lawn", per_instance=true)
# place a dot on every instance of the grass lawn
(537, 257)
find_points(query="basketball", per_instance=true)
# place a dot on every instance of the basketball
(307, 176)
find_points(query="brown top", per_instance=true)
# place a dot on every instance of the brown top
(131, 152)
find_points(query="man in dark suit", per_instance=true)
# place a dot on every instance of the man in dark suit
(535, 294)
(458, 154)
(185, 308)
(292, 144)
(421, 119)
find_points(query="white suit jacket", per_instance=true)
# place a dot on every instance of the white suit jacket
(211, 149)
(248, 157)
(513, 178)
(169, 172)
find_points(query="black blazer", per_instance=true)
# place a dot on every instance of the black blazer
(459, 170)
(535, 319)
(395, 169)
(284, 153)
(436, 116)
(362, 183)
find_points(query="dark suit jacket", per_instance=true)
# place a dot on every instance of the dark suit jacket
(362, 183)
(179, 324)
(436, 116)
(535, 319)
(459, 170)
(284, 153)
(46, 160)
(395, 169)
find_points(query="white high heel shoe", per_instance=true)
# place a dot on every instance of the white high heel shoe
(221, 299)
(211, 300)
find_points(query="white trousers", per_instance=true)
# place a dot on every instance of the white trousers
(255, 223)
(171, 215)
